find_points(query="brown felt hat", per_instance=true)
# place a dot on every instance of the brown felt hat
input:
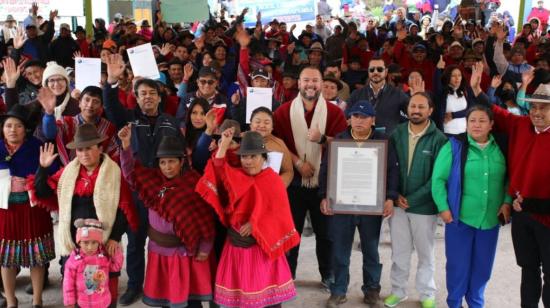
(86, 135)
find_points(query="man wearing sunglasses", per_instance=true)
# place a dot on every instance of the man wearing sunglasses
(390, 103)
(208, 89)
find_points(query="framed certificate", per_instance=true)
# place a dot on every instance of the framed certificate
(357, 176)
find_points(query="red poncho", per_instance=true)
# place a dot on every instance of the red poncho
(176, 201)
(261, 200)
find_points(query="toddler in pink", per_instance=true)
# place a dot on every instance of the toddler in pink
(86, 280)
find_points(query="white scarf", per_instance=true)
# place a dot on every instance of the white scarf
(106, 198)
(307, 150)
(58, 110)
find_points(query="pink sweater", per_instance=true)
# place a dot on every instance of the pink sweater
(86, 279)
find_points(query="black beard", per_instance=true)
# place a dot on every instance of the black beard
(310, 98)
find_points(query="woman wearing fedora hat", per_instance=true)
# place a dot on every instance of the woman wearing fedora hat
(26, 231)
(181, 225)
(90, 186)
(253, 271)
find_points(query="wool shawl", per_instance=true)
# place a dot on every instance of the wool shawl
(176, 201)
(261, 200)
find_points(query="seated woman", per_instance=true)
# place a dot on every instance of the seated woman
(253, 271)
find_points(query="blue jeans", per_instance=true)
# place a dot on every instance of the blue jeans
(342, 230)
(135, 255)
(470, 256)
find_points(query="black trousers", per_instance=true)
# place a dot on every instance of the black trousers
(531, 241)
(301, 200)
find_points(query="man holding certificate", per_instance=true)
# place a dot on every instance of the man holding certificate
(342, 226)
(412, 227)
(304, 125)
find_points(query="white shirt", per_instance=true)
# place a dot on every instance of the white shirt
(454, 104)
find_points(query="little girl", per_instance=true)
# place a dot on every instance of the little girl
(86, 279)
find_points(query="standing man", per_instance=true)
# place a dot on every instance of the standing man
(342, 226)
(149, 125)
(412, 227)
(529, 172)
(305, 124)
(389, 102)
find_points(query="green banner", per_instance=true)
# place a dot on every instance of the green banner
(174, 11)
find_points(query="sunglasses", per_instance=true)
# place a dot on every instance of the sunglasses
(209, 82)
(379, 69)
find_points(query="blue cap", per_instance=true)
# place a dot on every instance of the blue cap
(362, 107)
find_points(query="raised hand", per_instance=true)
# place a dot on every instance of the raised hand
(166, 49)
(125, 136)
(187, 71)
(11, 72)
(34, 9)
(225, 142)
(242, 38)
(527, 77)
(497, 81)
(417, 85)
(115, 68)
(76, 94)
(259, 16)
(47, 99)
(53, 14)
(210, 119)
(19, 39)
(441, 63)
(77, 54)
(47, 155)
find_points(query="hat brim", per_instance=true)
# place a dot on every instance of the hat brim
(361, 113)
(73, 145)
(261, 76)
(241, 152)
(538, 100)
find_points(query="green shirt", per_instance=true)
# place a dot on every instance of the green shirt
(484, 186)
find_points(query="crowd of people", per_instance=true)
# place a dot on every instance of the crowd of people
(463, 105)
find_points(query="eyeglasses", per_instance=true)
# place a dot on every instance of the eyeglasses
(56, 80)
(209, 82)
(379, 69)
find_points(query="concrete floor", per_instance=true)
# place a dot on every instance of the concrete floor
(502, 291)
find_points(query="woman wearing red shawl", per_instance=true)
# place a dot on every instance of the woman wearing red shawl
(253, 271)
(181, 226)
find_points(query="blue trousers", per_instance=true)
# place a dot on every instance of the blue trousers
(470, 256)
(342, 230)
(135, 254)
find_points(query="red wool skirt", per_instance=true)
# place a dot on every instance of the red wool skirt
(247, 277)
(26, 236)
(173, 280)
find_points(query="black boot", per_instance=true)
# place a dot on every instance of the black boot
(129, 297)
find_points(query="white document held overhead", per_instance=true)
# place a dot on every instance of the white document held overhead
(356, 176)
(143, 61)
(274, 161)
(257, 97)
(87, 72)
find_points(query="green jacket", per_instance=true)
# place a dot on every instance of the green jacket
(416, 185)
(484, 187)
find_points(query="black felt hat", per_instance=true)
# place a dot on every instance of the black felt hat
(170, 146)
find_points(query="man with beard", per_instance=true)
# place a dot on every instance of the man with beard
(412, 226)
(305, 124)
(388, 101)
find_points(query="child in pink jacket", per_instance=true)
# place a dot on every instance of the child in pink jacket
(86, 280)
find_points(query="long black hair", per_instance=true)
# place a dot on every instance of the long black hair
(446, 79)
(192, 133)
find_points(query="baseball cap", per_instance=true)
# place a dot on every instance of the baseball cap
(259, 73)
(362, 107)
(207, 71)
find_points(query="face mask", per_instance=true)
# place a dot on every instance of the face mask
(507, 95)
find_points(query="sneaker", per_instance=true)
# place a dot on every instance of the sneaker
(428, 303)
(394, 300)
(372, 296)
(335, 301)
